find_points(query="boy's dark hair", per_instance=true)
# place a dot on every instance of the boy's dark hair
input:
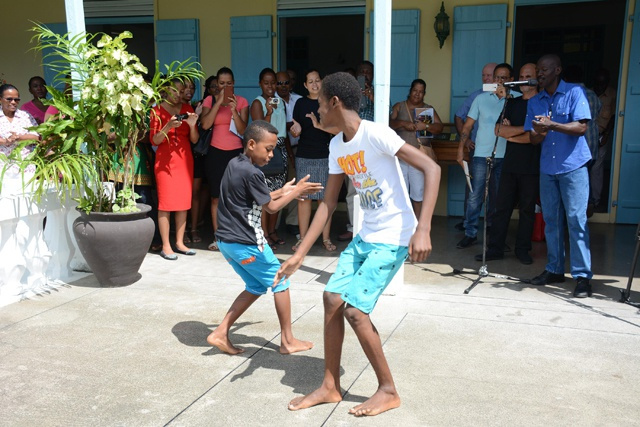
(266, 71)
(504, 65)
(345, 87)
(256, 131)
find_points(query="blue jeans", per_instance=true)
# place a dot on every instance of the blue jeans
(478, 171)
(564, 200)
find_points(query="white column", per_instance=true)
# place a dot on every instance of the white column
(75, 25)
(382, 88)
(382, 58)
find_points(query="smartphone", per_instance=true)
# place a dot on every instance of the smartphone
(490, 87)
(362, 82)
(182, 117)
(228, 93)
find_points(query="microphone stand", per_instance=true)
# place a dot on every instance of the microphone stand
(626, 294)
(484, 271)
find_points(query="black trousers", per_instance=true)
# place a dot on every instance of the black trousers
(520, 188)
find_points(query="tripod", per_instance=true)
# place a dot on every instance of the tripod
(484, 271)
(625, 294)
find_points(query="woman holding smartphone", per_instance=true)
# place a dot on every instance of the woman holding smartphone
(172, 130)
(270, 108)
(229, 115)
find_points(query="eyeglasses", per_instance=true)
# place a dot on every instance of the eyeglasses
(12, 99)
(283, 83)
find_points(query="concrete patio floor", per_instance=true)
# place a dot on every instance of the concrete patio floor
(505, 354)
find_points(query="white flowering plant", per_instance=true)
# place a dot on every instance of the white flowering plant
(93, 138)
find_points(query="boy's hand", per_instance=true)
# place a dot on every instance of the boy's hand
(419, 246)
(287, 269)
(305, 188)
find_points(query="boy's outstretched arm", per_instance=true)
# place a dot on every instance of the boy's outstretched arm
(281, 197)
(323, 214)
(420, 243)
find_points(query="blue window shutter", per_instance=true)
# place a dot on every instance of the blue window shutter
(628, 194)
(405, 43)
(479, 36)
(178, 40)
(251, 51)
(49, 74)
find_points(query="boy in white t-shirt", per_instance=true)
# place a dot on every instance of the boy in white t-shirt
(368, 153)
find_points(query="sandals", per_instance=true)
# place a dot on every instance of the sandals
(195, 237)
(328, 245)
(213, 246)
(277, 240)
(297, 245)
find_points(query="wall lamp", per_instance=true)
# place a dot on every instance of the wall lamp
(441, 25)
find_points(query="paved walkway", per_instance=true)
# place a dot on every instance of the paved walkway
(506, 354)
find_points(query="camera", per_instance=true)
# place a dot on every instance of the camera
(274, 101)
(181, 117)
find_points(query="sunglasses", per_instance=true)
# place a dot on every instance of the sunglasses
(283, 83)
(12, 99)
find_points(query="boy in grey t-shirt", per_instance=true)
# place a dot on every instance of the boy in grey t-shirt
(243, 195)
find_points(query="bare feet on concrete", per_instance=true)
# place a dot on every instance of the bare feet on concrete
(222, 342)
(380, 402)
(321, 395)
(295, 346)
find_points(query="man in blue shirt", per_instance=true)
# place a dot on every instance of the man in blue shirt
(557, 118)
(461, 116)
(485, 110)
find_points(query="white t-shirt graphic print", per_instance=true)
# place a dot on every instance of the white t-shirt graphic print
(369, 161)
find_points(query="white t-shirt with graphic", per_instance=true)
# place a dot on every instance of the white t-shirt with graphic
(370, 161)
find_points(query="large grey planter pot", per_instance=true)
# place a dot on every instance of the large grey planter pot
(114, 244)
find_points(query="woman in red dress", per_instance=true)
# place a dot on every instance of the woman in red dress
(173, 133)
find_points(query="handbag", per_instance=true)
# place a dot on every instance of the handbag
(201, 148)
(275, 165)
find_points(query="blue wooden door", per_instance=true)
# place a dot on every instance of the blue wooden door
(405, 43)
(49, 74)
(479, 36)
(251, 51)
(178, 40)
(628, 193)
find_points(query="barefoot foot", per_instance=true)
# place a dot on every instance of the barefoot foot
(321, 395)
(380, 402)
(295, 346)
(223, 343)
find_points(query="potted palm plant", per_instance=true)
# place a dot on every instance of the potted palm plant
(95, 138)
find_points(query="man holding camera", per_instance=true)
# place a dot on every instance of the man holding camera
(519, 180)
(557, 118)
(485, 110)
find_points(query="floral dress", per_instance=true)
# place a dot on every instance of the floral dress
(21, 121)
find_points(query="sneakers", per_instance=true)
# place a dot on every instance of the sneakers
(490, 256)
(524, 257)
(583, 288)
(466, 242)
(459, 226)
(547, 277)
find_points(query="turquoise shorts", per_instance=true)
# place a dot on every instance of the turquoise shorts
(256, 268)
(364, 271)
